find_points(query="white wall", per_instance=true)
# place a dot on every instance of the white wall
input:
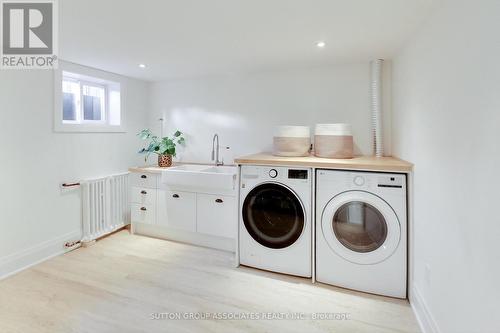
(243, 108)
(446, 119)
(36, 218)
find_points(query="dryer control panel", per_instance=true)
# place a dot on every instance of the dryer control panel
(360, 180)
(390, 181)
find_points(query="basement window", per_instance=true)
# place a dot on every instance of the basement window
(83, 102)
(87, 103)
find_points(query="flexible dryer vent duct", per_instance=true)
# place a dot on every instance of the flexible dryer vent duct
(376, 104)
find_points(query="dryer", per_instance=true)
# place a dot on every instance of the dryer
(275, 229)
(361, 231)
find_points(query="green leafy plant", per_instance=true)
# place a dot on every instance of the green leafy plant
(161, 146)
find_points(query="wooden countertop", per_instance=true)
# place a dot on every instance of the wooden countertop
(147, 169)
(368, 163)
(157, 169)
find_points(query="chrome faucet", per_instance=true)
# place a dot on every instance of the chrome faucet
(215, 151)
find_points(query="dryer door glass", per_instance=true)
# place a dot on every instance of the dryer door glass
(359, 226)
(273, 215)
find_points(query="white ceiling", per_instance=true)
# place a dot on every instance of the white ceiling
(188, 38)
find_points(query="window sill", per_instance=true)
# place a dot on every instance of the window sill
(88, 128)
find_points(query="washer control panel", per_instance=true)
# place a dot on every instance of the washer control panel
(298, 174)
(273, 173)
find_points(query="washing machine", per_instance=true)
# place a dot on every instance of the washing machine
(361, 231)
(275, 231)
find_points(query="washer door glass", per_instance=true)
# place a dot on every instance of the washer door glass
(359, 226)
(273, 215)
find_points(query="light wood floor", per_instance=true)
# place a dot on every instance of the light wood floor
(117, 284)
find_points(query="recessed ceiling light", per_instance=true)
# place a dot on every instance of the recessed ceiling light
(321, 44)
(142, 65)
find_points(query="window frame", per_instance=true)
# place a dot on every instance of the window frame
(86, 76)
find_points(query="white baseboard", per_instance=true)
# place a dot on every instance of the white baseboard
(421, 310)
(26, 258)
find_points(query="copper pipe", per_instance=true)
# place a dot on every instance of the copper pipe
(70, 184)
(71, 244)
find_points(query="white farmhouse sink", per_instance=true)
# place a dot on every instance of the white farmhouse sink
(221, 169)
(188, 167)
(201, 176)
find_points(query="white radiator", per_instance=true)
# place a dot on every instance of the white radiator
(105, 205)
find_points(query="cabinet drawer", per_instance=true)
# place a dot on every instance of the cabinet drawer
(143, 196)
(177, 210)
(143, 213)
(217, 215)
(148, 180)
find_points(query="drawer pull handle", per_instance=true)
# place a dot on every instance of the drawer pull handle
(175, 195)
(144, 176)
(143, 209)
(144, 192)
(219, 200)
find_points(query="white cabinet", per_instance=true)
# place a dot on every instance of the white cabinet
(216, 215)
(177, 210)
(185, 215)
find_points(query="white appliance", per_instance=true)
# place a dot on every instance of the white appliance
(275, 219)
(361, 235)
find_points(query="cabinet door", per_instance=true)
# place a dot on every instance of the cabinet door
(143, 213)
(177, 209)
(217, 215)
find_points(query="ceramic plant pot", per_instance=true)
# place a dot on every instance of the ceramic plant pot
(164, 161)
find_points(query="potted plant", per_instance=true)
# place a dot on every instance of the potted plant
(163, 147)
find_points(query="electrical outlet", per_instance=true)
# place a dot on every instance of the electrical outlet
(428, 274)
